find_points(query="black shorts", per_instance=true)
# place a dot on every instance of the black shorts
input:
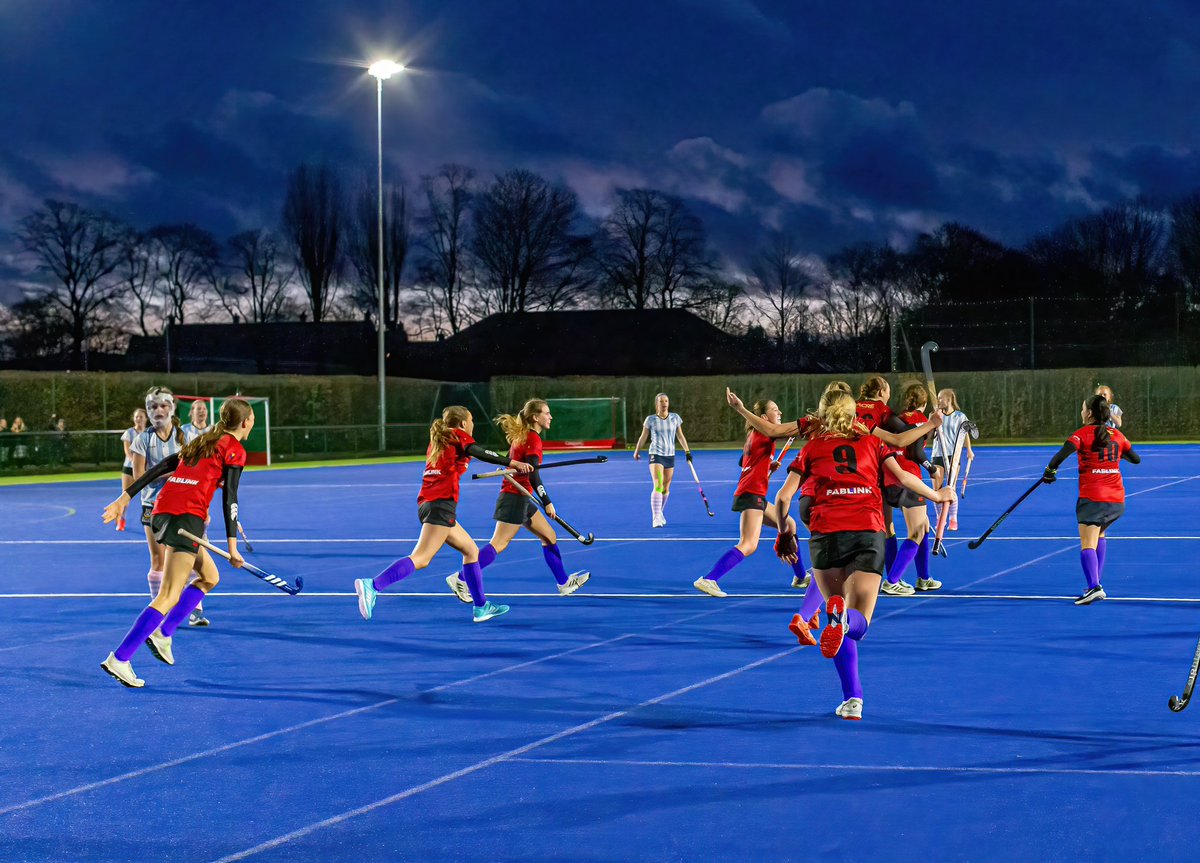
(166, 530)
(853, 550)
(938, 461)
(513, 508)
(1097, 512)
(805, 506)
(667, 461)
(147, 513)
(899, 496)
(443, 513)
(127, 470)
(749, 501)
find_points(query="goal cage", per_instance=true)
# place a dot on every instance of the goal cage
(586, 423)
(258, 444)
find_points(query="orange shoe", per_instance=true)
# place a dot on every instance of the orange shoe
(815, 622)
(802, 631)
(835, 630)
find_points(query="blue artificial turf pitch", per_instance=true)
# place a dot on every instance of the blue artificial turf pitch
(635, 720)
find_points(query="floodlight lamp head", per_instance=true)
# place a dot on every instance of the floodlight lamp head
(384, 69)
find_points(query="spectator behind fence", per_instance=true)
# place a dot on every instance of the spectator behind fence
(4, 446)
(20, 452)
(61, 445)
(1115, 413)
(52, 425)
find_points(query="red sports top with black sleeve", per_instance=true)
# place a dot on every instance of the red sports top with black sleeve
(756, 465)
(804, 426)
(1100, 464)
(529, 451)
(847, 495)
(872, 413)
(190, 489)
(913, 418)
(440, 480)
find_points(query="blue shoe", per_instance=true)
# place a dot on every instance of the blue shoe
(489, 610)
(365, 588)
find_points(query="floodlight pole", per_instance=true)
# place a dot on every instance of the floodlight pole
(382, 370)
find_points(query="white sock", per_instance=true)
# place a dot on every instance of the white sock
(663, 508)
(154, 579)
(954, 510)
(656, 504)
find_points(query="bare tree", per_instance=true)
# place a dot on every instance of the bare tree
(184, 258)
(722, 302)
(363, 250)
(779, 279)
(134, 270)
(522, 241)
(628, 242)
(314, 223)
(80, 249)
(1185, 243)
(256, 256)
(682, 261)
(445, 244)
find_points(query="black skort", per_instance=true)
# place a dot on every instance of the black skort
(127, 470)
(900, 497)
(667, 461)
(749, 501)
(443, 513)
(852, 550)
(147, 513)
(513, 508)
(1097, 512)
(166, 530)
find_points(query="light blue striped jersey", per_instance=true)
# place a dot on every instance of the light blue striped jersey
(950, 426)
(662, 433)
(154, 449)
(127, 436)
(190, 432)
(1116, 412)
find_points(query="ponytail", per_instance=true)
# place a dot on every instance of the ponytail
(838, 416)
(516, 427)
(441, 431)
(915, 395)
(1098, 407)
(178, 430)
(234, 412)
(872, 388)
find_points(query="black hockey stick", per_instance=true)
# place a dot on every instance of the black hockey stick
(585, 540)
(975, 543)
(273, 580)
(600, 459)
(703, 496)
(1178, 702)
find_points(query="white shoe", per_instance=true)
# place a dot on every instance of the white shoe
(123, 671)
(160, 646)
(655, 521)
(802, 583)
(900, 588)
(707, 585)
(928, 584)
(197, 618)
(851, 708)
(572, 584)
(459, 588)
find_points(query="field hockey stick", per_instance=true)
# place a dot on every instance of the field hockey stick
(508, 471)
(966, 477)
(703, 496)
(273, 580)
(927, 351)
(1178, 702)
(953, 466)
(975, 543)
(787, 444)
(245, 538)
(585, 540)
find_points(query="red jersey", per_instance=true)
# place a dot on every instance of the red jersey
(756, 465)
(440, 480)
(847, 495)
(190, 489)
(872, 413)
(522, 452)
(913, 418)
(1100, 464)
(804, 425)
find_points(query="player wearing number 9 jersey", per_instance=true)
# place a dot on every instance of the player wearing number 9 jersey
(846, 545)
(1101, 493)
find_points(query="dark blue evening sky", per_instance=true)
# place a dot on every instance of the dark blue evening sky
(840, 121)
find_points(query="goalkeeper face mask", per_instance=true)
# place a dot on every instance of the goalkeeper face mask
(160, 407)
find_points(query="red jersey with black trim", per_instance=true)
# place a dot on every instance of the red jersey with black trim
(913, 418)
(804, 426)
(847, 495)
(440, 480)
(190, 490)
(1100, 464)
(532, 446)
(757, 455)
(872, 413)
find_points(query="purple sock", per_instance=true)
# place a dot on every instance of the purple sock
(811, 602)
(1091, 571)
(924, 556)
(857, 624)
(1101, 551)
(473, 576)
(846, 663)
(402, 568)
(145, 624)
(728, 561)
(904, 556)
(188, 601)
(889, 553)
(554, 561)
(486, 555)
